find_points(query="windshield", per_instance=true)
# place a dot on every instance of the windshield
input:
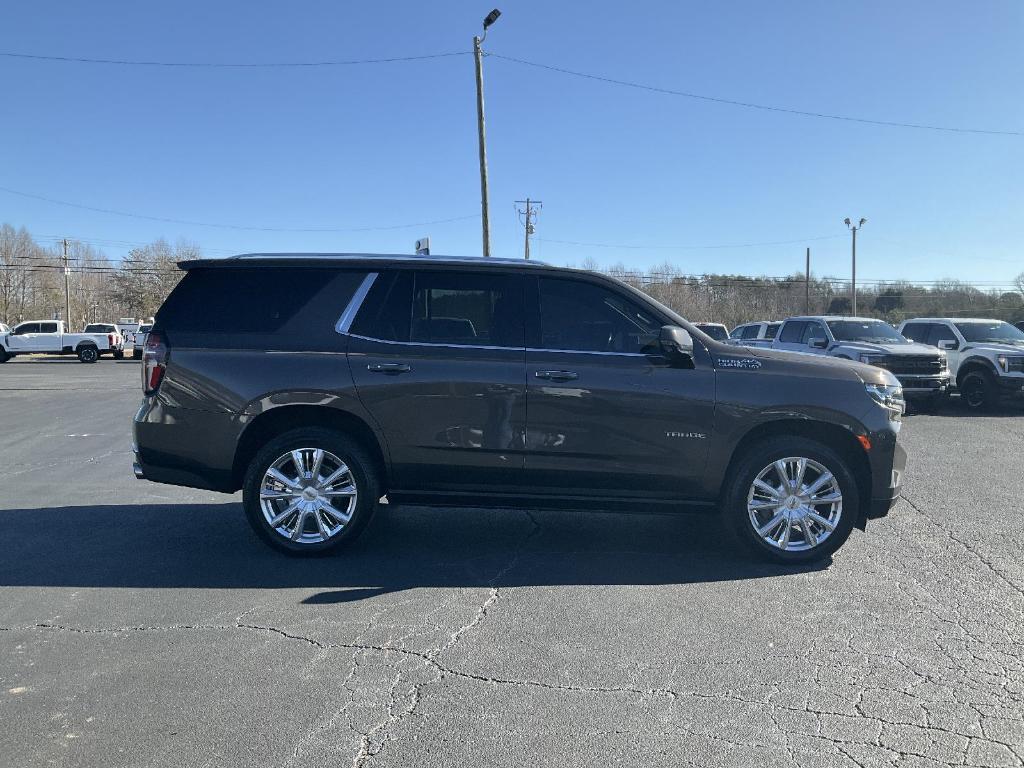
(865, 330)
(997, 331)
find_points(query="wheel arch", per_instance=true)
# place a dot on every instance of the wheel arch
(86, 343)
(275, 421)
(839, 438)
(972, 364)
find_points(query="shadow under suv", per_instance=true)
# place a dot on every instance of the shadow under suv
(317, 384)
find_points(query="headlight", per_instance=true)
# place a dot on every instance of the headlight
(871, 359)
(889, 396)
(1007, 364)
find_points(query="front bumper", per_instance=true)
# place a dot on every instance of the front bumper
(924, 386)
(1010, 386)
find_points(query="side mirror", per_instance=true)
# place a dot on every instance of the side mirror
(676, 342)
(949, 344)
(818, 343)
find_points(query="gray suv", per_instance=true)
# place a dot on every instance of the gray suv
(317, 384)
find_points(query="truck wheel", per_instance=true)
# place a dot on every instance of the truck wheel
(792, 500)
(119, 354)
(978, 390)
(88, 354)
(309, 491)
(3, 355)
(136, 354)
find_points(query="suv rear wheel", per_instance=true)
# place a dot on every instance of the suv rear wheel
(309, 491)
(793, 500)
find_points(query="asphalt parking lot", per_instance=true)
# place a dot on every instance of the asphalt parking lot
(145, 625)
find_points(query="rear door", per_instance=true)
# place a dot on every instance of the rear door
(609, 414)
(438, 359)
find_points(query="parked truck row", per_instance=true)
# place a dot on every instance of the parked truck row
(50, 337)
(982, 359)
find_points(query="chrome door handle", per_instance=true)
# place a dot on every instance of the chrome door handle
(557, 375)
(388, 368)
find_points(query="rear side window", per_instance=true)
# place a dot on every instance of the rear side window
(444, 307)
(47, 327)
(771, 330)
(277, 307)
(584, 317)
(792, 332)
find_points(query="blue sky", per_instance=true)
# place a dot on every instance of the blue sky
(390, 144)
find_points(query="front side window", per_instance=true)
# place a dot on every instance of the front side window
(916, 332)
(583, 317)
(793, 331)
(991, 331)
(939, 332)
(26, 328)
(737, 332)
(865, 330)
(813, 331)
(750, 332)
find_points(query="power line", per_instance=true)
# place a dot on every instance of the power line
(234, 226)
(686, 247)
(232, 64)
(752, 105)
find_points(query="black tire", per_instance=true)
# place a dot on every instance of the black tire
(760, 456)
(88, 354)
(978, 390)
(364, 474)
(119, 354)
(4, 357)
(136, 354)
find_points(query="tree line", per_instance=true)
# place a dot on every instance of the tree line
(102, 290)
(32, 285)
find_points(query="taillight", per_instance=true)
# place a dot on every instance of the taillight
(154, 362)
(110, 339)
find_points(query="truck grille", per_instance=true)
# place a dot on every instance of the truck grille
(912, 365)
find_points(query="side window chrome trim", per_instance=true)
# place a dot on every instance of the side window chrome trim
(354, 304)
(587, 352)
(430, 343)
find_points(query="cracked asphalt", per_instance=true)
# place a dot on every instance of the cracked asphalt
(144, 625)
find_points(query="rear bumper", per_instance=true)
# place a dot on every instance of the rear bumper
(178, 446)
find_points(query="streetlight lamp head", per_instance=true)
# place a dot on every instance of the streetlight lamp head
(846, 221)
(862, 222)
(491, 18)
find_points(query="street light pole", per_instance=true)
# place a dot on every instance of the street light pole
(478, 57)
(853, 284)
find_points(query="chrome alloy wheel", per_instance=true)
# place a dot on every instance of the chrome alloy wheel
(794, 504)
(308, 495)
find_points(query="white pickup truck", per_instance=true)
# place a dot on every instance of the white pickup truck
(986, 357)
(35, 337)
(922, 370)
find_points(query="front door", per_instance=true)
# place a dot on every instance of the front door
(24, 338)
(609, 414)
(438, 359)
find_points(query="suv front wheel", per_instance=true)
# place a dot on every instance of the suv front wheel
(793, 500)
(309, 491)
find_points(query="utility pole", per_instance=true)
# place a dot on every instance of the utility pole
(478, 56)
(67, 289)
(528, 216)
(853, 282)
(807, 284)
